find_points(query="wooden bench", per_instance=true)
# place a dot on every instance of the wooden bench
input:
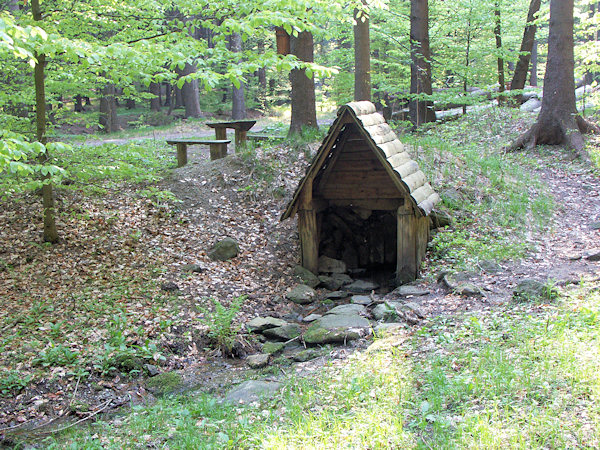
(241, 128)
(218, 148)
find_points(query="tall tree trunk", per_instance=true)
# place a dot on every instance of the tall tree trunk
(467, 61)
(178, 97)
(362, 56)
(520, 75)
(190, 94)
(238, 104)
(78, 103)
(420, 111)
(533, 78)
(50, 233)
(261, 73)
(168, 94)
(304, 107)
(498, 35)
(155, 100)
(109, 121)
(559, 122)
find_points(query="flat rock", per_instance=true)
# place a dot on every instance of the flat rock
(531, 290)
(342, 278)
(407, 290)
(361, 300)
(452, 280)
(196, 268)
(273, 348)
(346, 309)
(258, 361)
(336, 328)
(595, 226)
(306, 276)
(330, 283)
(337, 295)
(223, 250)
(312, 317)
(531, 105)
(330, 265)
(469, 290)
(592, 255)
(169, 286)
(252, 390)
(306, 355)
(284, 333)
(259, 324)
(384, 311)
(361, 287)
(301, 294)
(490, 266)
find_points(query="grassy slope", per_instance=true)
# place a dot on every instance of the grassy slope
(521, 376)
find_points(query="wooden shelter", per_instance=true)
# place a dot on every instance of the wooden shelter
(363, 199)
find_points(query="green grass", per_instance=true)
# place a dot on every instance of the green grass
(506, 378)
(493, 197)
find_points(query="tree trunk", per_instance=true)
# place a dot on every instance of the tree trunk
(78, 103)
(559, 122)
(304, 108)
(520, 75)
(261, 73)
(190, 94)
(168, 94)
(130, 103)
(109, 121)
(155, 101)
(238, 104)
(178, 97)
(498, 35)
(420, 110)
(362, 56)
(533, 78)
(50, 233)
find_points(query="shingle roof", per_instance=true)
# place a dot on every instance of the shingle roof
(384, 141)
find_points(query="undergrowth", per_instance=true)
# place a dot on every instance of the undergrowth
(493, 198)
(517, 377)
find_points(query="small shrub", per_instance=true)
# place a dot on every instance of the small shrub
(222, 331)
(12, 382)
(56, 355)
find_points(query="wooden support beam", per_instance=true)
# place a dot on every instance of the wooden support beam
(407, 266)
(181, 154)
(308, 229)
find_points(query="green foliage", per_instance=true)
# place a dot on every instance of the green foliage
(220, 322)
(493, 199)
(13, 381)
(56, 355)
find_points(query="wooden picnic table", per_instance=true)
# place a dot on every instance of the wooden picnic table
(218, 148)
(241, 128)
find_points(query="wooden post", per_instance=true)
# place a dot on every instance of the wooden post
(240, 139)
(407, 267)
(181, 154)
(307, 228)
(218, 150)
(221, 133)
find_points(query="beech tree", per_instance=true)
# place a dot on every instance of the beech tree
(420, 107)
(558, 122)
(304, 107)
(362, 54)
(525, 52)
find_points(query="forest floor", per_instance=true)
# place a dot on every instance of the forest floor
(83, 321)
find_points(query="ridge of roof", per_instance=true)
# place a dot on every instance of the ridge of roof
(384, 141)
